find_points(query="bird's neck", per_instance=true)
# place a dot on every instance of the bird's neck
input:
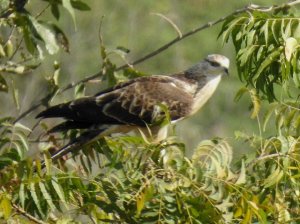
(205, 91)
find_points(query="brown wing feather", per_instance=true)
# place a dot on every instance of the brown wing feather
(132, 102)
(136, 103)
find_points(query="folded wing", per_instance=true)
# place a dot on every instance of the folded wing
(136, 102)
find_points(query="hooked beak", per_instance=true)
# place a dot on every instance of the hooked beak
(226, 71)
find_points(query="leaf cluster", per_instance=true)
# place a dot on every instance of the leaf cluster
(25, 38)
(267, 49)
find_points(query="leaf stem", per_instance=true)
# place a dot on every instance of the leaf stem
(24, 213)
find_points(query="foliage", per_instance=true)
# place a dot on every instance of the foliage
(129, 179)
(267, 49)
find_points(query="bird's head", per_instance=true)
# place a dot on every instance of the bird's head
(212, 66)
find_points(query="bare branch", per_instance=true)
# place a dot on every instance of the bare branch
(250, 7)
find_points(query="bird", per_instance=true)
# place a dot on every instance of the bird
(139, 104)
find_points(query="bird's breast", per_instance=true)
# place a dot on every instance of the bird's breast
(204, 93)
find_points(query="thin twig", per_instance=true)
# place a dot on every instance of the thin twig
(42, 101)
(290, 106)
(10, 36)
(169, 21)
(24, 213)
(43, 10)
(92, 219)
(17, 49)
(29, 110)
(263, 157)
(250, 7)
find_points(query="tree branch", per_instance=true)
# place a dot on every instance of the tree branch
(250, 7)
(264, 157)
(24, 213)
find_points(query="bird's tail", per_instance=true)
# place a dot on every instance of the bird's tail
(67, 125)
(60, 110)
(75, 144)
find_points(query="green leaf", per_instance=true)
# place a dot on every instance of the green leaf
(5, 161)
(83, 164)
(47, 161)
(140, 203)
(274, 29)
(259, 212)
(285, 146)
(2, 52)
(46, 34)
(55, 11)
(23, 139)
(282, 28)
(143, 197)
(123, 49)
(29, 33)
(58, 189)
(5, 206)
(35, 198)
(46, 196)
(165, 119)
(273, 178)
(256, 103)
(296, 79)
(268, 60)
(22, 127)
(251, 37)
(240, 93)
(242, 176)
(22, 195)
(244, 55)
(279, 123)
(9, 48)
(265, 31)
(287, 31)
(228, 29)
(15, 93)
(80, 5)
(80, 90)
(289, 118)
(21, 151)
(260, 53)
(68, 6)
(30, 41)
(296, 31)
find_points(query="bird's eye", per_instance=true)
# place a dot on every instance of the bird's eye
(214, 64)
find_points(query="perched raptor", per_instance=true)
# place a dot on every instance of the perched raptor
(139, 103)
